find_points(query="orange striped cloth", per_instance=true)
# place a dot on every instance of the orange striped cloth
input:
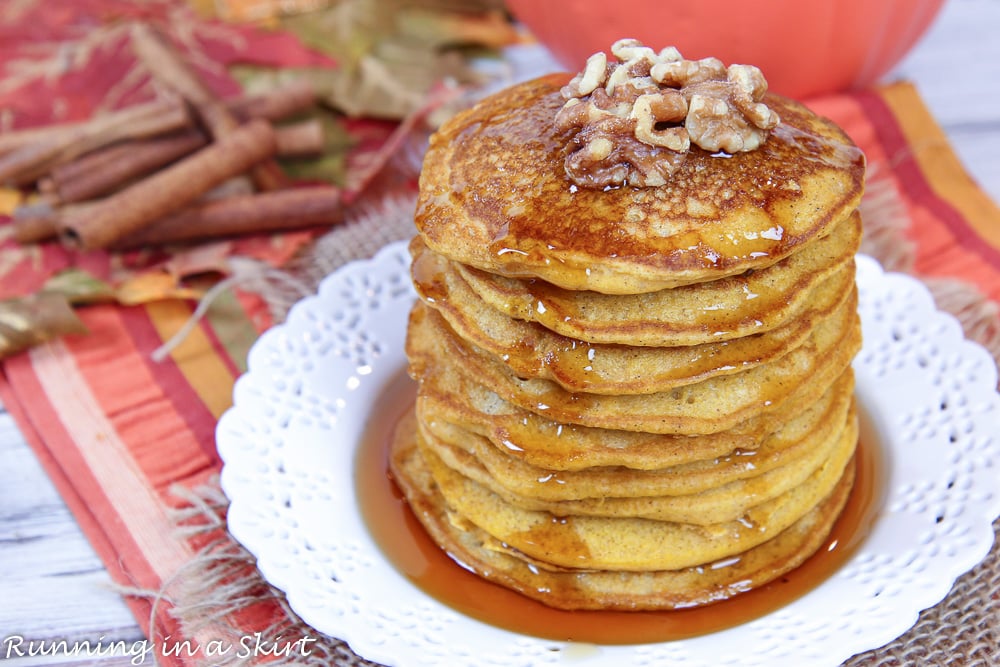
(955, 225)
(116, 430)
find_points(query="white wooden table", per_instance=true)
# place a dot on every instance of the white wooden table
(53, 586)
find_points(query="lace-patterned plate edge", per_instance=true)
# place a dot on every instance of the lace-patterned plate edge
(288, 447)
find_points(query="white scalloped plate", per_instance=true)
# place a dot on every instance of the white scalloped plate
(299, 412)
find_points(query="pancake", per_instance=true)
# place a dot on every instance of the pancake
(537, 441)
(478, 457)
(714, 311)
(714, 405)
(477, 551)
(633, 348)
(494, 195)
(596, 495)
(532, 351)
(630, 544)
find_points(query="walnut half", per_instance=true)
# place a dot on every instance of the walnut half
(636, 118)
(728, 115)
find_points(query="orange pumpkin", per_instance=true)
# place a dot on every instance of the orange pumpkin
(804, 47)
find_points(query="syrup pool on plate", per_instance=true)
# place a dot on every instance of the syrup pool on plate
(405, 544)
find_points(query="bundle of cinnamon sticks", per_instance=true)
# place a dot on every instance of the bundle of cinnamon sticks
(185, 168)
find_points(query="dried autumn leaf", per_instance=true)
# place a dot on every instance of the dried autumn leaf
(378, 90)
(368, 89)
(35, 319)
(327, 168)
(442, 28)
(268, 11)
(10, 199)
(203, 258)
(462, 5)
(265, 12)
(390, 53)
(330, 165)
(365, 166)
(153, 286)
(346, 30)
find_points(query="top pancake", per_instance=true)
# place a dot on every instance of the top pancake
(494, 195)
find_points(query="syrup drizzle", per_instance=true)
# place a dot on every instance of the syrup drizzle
(406, 545)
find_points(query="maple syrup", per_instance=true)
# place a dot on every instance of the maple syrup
(406, 545)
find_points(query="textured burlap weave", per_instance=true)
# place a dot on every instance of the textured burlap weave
(964, 629)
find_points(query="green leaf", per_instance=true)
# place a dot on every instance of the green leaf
(78, 287)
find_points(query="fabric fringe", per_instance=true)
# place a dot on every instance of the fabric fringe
(978, 314)
(208, 594)
(972, 628)
(886, 225)
(369, 227)
(886, 222)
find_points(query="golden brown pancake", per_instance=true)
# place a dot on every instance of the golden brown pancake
(714, 405)
(532, 351)
(494, 195)
(630, 544)
(798, 439)
(597, 495)
(599, 589)
(538, 441)
(713, 311)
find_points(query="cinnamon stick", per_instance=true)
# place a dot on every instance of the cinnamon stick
(301, 139)
(42, 221)
(236, 186)
(130, 161)
(171, 188)
(85, 164)
(168, 66)
(14, 139)
(14, 165)
(276, 104)
(33, 135)
(26, 164)
(268, 211)
(103, 171)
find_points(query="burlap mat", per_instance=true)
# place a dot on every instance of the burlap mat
(962, 630)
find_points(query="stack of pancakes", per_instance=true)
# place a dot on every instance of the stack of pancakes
(631, 398)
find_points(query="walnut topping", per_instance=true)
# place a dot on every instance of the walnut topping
(635, 119)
